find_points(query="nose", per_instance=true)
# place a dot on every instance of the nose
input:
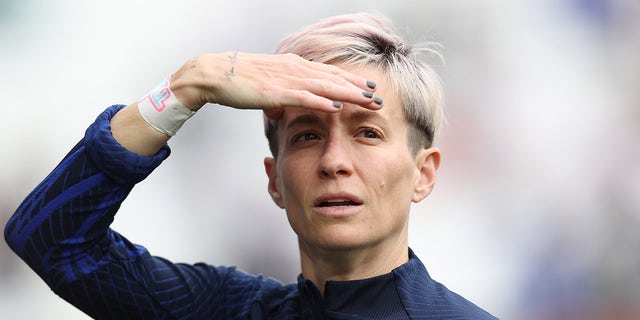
(336, 159)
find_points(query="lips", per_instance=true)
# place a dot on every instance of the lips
(337, 200)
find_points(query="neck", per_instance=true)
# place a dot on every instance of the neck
(321, 265)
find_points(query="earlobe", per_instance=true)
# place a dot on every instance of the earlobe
(427, 161)
(272, 186)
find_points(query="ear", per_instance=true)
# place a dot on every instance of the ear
(427, 162)
(273, 186)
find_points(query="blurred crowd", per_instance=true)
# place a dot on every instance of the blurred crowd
(536, 213)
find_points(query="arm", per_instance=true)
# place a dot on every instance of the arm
(246, 81)
(62, 228)
(61, 231)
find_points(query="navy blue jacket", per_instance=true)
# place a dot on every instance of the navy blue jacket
(61, 231)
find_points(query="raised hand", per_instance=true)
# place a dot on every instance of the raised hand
(269, 82)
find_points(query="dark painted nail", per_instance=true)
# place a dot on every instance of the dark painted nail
(371, 84)
(337, 104)
(378, 100)
(367, 94)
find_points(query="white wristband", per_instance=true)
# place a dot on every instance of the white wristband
(161, 109)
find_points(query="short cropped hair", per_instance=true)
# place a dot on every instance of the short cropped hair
(362, 39)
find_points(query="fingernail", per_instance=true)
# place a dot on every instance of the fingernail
(337, 104)
(367, 94)
(378, 100)
(371, 84)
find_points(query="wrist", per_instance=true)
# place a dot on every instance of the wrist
(161, 109)
(187, 92)
(196, 83)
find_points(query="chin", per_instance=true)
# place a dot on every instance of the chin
(343, 241)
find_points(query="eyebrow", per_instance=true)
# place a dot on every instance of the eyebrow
(359, 115)
(305, 119)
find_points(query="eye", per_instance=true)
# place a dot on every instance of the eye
(305, 136)
(370, 133)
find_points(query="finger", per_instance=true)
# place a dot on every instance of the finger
(329, 71)
(347, 93)
(340, 75)
(306, 99)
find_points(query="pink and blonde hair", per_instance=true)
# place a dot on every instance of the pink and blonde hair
(362, 39)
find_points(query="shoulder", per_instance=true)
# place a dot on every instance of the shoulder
(426, 298)
(263, 296)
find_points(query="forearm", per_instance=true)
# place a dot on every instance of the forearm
(246, 81)
(135, 134)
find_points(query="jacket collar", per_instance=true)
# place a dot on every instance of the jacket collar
(371, 298)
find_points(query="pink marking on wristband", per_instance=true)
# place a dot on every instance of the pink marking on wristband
(161, 109)
(159, 97)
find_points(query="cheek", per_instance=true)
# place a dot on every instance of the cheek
(290, 180)
(394, 184)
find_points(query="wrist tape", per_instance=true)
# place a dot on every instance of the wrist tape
(161, 109)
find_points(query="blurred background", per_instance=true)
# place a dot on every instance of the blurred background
(536, 213)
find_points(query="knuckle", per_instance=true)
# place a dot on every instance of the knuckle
(291, 57)
(333, 69)
(325, 85)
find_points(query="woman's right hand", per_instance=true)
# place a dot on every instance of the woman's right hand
(269, 82)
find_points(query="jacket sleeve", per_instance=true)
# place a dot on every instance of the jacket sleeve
(61, 230)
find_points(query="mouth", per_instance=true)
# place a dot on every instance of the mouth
(332, 201)
(337, 203)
